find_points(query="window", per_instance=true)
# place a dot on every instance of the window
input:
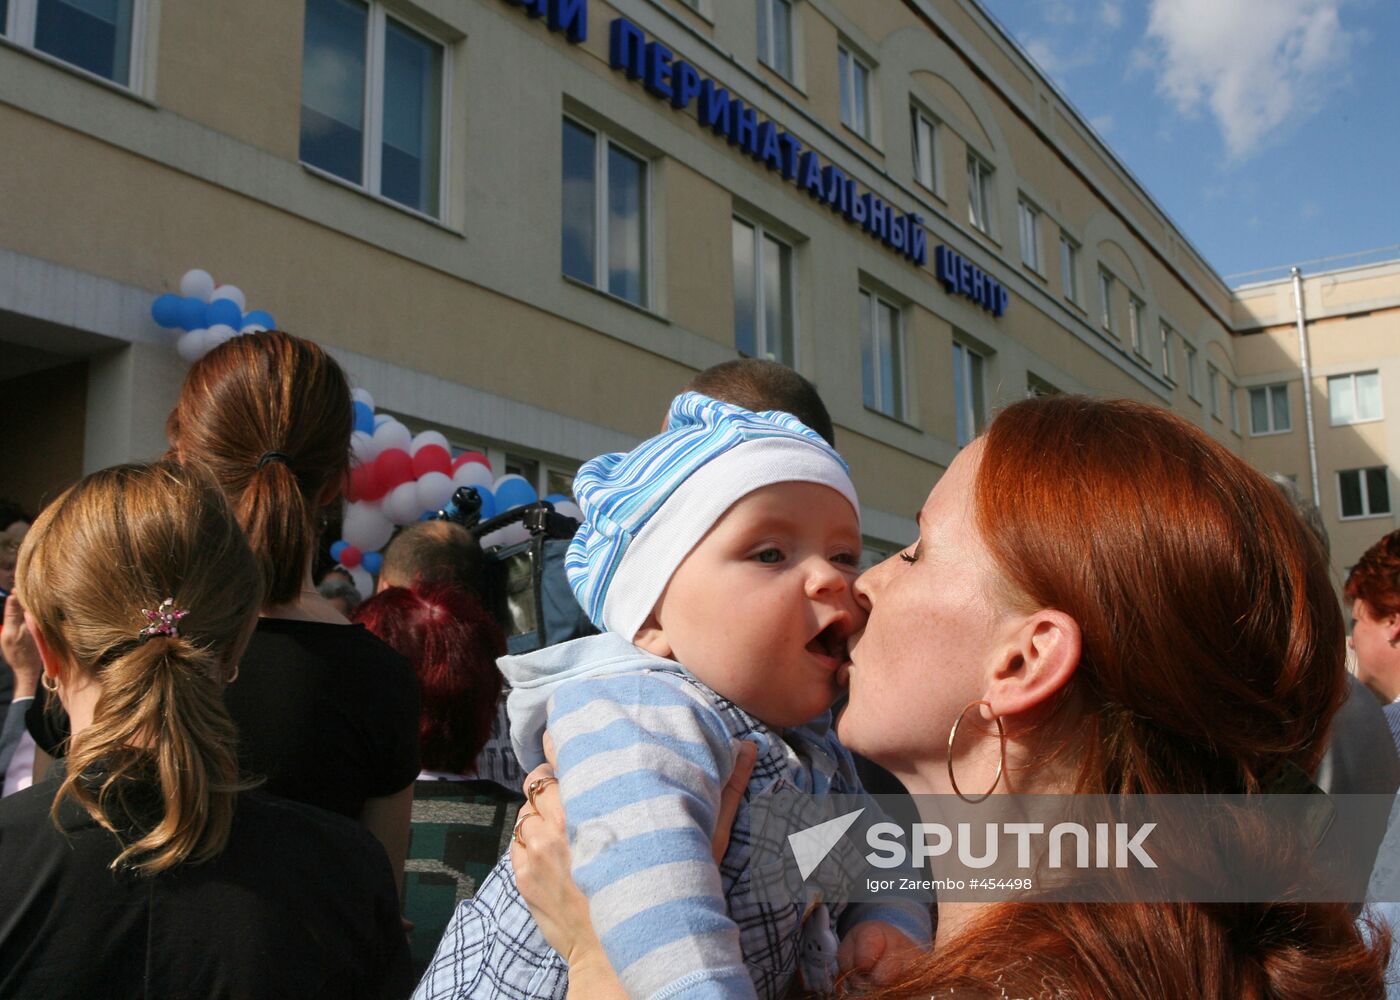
(924, 131)
(1069, 267)
(1135, 324)
(372, 102)
(855, 92)
(1037, 386)
(968, 401)
(1268, 409)
(1213, 388)
(881, 355)
(1029, 217)
(99, 36)
(1106, 297)
(1364, 492)
(1193, 388)
(1168, 368)
(1354, 398)
(979, 193)
(1231, 390)
(763, 326)
(775, 35)
(605, 214)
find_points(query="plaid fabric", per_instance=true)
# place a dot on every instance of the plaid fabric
(492, 947)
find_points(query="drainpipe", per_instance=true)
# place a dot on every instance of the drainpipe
(1307, 384)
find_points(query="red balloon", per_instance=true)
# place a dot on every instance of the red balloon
(470, 456)
(350, 557)
(431, 458)
(367, 483)
(393, 468)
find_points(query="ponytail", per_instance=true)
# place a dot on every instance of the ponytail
(160, 718)
(275, 516)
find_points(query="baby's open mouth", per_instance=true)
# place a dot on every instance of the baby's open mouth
(830, 643)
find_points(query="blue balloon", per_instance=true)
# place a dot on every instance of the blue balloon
(557, 498)
(514, 493)
(428, 515)
(337, 548)
(261, 317)
(489, 505)
(373, 562)
(364, 417)
(165, 310)
(225, 312)
(192, 314)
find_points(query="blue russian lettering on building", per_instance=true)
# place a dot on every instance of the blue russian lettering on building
(962, 277)
(568, 16)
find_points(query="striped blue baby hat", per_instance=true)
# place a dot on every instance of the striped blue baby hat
(644, 510)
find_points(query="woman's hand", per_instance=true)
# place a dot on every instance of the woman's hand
(18, 648)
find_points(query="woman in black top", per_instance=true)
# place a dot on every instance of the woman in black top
(148, 869)
(326, 712)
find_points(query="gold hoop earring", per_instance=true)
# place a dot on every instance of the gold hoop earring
(50, 683)
(1001, 761)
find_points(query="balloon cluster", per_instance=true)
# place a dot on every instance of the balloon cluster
(208, 314)
(398, 477)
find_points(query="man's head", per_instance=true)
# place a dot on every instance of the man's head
(9, 555)
(758, 385)
(727, 543)
(433, 552)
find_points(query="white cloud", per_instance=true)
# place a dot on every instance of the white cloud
(1255, 64)
(1103, 124)
(1039, 50)
(1111, 14)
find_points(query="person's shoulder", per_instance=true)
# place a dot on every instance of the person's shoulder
(299, 827)
(20, 810)
(348, 648)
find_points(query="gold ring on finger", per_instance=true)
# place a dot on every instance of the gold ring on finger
(537, 786)
(520, 820)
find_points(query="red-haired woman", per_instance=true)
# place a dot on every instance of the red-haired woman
(453, 644)
(1373, 587)
(1139, 612)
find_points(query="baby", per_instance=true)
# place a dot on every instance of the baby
(718, 558)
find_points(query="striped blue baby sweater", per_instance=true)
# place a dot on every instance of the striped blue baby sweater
(644, 750)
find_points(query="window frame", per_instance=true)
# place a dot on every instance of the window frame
(980, 174)
(1213, 390)
(1164, 331)
(1026, 211)
(765, 10)
(1193, 382)
(970, 418)
(602, 140)
(1106, 283)
(1352, 377)
(1137, 311)
(918, 115)
(898, 344)
(847, 76)
(372, 139)
(761, 234)
(1270, 410)
(1367, 513)
(1232, 392)
(1069, 268)
(21, 22)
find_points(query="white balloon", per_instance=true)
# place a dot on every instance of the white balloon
(364, 583)
(380, 419)
(391, 434)
(507, 478)
(472, 474)
(428, 437)
(365, 526)
(231, 292)
(434, 490)
(569, 509)
(253, 328)
(511, 534)
(197, 284)
(218, 333)
(362, 447)
(401, 504)
(361, 396)
(190, 346)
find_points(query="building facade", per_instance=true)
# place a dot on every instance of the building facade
(526, 223)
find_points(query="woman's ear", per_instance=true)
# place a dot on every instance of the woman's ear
(1037, 663)
(651, 637)
(53, 665)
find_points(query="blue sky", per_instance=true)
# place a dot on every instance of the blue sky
(1269, 130)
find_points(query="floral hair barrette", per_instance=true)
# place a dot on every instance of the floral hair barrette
(164, 620)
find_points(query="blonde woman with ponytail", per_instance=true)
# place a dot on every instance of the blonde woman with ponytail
(149, 867)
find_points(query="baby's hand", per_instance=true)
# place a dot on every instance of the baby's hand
(876, 952)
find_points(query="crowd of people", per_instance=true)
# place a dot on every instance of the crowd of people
(234, 778)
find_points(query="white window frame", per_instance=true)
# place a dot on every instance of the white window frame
(1028, 226)
(1136, 310)
(1069, 267)
(1271, 425)
(1232, 391)
(1168, 365)
(848, 80)
(919, 117)
(601, 141)
(1106, 283)
(761, 234)
(1352, 377)
(372, 148)
(872, 300)
(973, 380)
(766, 10)
(981, 194)
(1213, 390)
(22, 20)
(1193, 385)
(1366, 511)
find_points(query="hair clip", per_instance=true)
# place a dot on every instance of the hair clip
(163, 621)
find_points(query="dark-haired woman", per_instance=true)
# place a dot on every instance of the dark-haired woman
(149, 869)
(325, 711)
